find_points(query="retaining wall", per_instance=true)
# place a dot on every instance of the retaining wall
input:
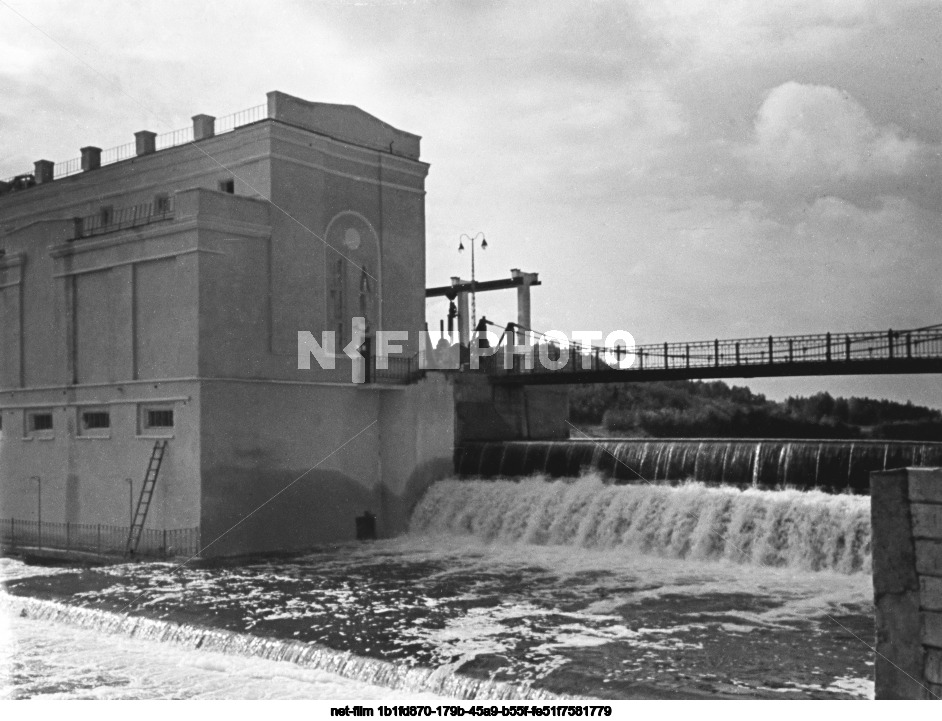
(907, 582)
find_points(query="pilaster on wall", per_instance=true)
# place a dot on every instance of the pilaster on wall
(906, 511)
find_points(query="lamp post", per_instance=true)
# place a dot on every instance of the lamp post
(130, 482)
(472, 241)
(39, 510)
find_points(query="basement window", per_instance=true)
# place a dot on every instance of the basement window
(227, 186)
(39, 424)
(162, 203)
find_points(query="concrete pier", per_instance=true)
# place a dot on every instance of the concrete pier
(907, 582)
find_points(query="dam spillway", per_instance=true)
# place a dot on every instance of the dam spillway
(833, 466)
(801, 530)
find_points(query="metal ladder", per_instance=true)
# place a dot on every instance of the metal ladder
(143, 501)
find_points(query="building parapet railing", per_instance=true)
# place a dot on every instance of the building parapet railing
(99, 539)
(127, 151)
(109, 221)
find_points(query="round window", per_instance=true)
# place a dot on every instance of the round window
(351, 238)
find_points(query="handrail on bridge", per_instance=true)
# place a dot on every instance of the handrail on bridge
(825, 348)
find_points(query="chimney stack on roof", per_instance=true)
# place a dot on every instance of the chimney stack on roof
(91, 158)
(44, 171)
(204, 126)
(146, 142)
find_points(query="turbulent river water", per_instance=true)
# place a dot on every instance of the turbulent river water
(502, 588)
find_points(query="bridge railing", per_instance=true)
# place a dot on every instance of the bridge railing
(825, 348)
(924, 343)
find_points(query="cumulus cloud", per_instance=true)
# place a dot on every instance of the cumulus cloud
(822, 137)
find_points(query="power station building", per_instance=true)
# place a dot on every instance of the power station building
(155, 292)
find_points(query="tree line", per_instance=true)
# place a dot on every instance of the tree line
(690, 409)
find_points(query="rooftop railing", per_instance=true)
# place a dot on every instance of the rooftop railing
(171, 139)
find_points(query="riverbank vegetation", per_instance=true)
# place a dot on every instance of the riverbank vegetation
(691, 409)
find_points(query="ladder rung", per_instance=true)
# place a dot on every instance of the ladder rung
(147, 492)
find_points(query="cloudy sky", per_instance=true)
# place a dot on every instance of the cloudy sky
(681, 170)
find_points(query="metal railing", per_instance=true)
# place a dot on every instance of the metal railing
(123, 218)
(399, 370)
(69, 167)
(100, 539)
(171, 139)
(781, 351)
(174, 138)
(116, 155)
(240, 118)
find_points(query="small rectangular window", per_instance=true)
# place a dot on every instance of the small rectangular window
(96, 420)
(162, 203)
(159, 418)
(39, 423)
(155, 419)
(106, 214)
(227, 186)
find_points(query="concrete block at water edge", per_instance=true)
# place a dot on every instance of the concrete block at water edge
(925, 485)
(927, 520)
(928, 558)
(899, 659)
(932, 629)
(930, 593)
(934, 665)
(893, 552)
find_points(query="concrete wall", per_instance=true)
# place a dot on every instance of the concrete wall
(287, 466)
(326, 190)
(417, 449)
(83, 475)
(491, 412)
(344, 122)
(907, 582)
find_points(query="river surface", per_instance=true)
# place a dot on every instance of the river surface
(574, 613)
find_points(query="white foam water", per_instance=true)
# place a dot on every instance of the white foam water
(806, 530)
(375, 672)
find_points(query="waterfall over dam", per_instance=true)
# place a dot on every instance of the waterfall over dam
(806, 530)
(834, 466)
